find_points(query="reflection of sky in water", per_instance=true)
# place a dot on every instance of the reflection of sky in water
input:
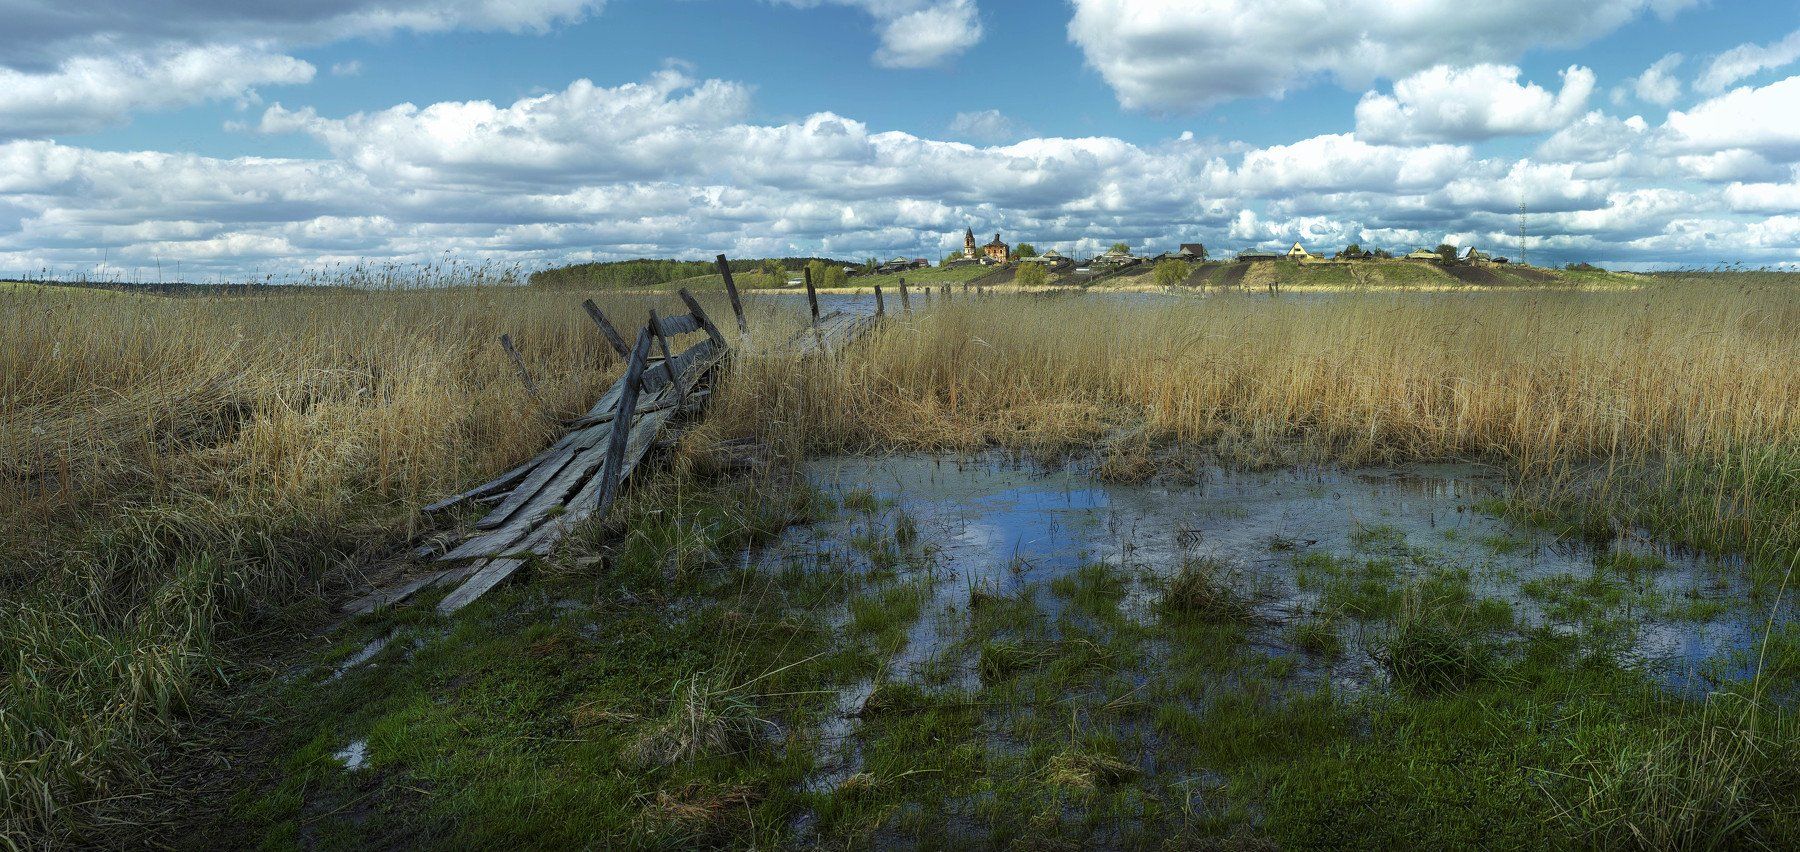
(1006, 527)
(1011, 529)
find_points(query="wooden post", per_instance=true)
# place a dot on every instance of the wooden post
(621, 425)
(880, 306)
(905, 303)
(606, 328)
(812, 297)
(519, 364)
(737, 307)
(662, 342)
(706, 322)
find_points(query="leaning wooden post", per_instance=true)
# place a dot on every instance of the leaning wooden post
(606, 328)
(519, 364)
(737, 307)
(905, 303)
(621, 424)
(812, 296)
(706, 322)
(662, 342)
(880, 306)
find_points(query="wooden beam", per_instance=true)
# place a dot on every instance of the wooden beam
(880, 306)
(737, 307)
(662, 342)
(621, 427)
(905, 302)
(606, 328)
(706, 322)
(519, 364)
(812, 297)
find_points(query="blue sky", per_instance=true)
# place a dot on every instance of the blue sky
(242, 139)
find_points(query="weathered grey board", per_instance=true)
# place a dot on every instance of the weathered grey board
(542, 500)
(566, 471)
(832, 332)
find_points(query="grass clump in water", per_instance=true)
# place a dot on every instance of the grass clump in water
(1205, 590)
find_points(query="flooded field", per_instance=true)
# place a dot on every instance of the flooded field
(1052, 599)
(918, 651)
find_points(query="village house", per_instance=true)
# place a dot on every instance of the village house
(1116, 258)
(997, 250)
(1192, 251)
(1248, 256)
(1422, 254)
(1298, 253)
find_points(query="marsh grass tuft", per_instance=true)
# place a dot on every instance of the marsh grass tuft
(1206, 589)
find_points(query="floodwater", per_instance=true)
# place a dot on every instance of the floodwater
(1009, 527)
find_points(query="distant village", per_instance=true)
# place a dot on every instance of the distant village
(997, 252)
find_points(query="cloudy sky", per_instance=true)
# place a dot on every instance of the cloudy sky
(245, 138)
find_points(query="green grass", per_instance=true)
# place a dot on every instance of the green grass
(674, 705)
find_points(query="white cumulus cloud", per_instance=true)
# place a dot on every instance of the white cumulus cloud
(1745, 60)
(90, 93)
(1765, 120)
(1447, 103)
(1658, 84)
(1184, 54)
(916, 33)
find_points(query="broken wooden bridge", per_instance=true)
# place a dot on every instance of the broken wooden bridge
(538, 503)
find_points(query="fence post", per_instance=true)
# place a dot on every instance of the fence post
(519, 364)
(905, 303)
(812, 297)
(737, 307)
(662, 341)
(606, 328)
(706, 322)
(880, 306)
(621, 424)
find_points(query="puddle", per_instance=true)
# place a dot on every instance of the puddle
(354, 755)
(367, 653)
(1010, 528)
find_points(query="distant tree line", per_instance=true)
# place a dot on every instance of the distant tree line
(649, 273)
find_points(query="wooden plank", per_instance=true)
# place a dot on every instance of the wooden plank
(880, 306)
(487, 576)
(541, 475)
(699, 313)
(492, 486)
(653, 381)
(606, 328)
(737, 307)
(662, 342)
(519, 364)
(679, 324)
(595, 497)
(905, 301)
(608, 417)
(607, 402)
(399, 594)
(621, 433)
(589, 467)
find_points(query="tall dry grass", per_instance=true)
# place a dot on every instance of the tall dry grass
(171, 466)
(1525, 377)
(1545, 384)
